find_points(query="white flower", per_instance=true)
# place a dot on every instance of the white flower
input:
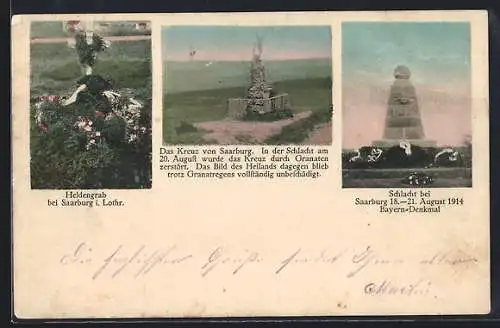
(81, 124)
(143, 129)
(98, 134)
(132, 137)
(87, 128)
(90, 144)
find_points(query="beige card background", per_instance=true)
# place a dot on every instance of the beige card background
(284, 216)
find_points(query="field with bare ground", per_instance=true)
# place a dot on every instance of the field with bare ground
(228, 132)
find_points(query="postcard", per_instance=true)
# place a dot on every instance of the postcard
(250, 164)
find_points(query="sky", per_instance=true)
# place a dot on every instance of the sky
(235, 43)
(438, 55)
(435, 52)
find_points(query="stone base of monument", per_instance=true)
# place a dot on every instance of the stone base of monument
(268, 109)
(387, 143)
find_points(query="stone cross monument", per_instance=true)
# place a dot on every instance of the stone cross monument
(260, 98)
(403, 121)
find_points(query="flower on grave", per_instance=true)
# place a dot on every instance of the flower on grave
(418, 179)
(47, 100)
(84, 124)
(132, 137)
(81, 122)
(91, 143)
(51, 98)
(43, 127)
(92, 139)
(108, 129)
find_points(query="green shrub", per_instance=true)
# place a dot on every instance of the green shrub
(185, 127)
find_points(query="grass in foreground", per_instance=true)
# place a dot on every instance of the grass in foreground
(396, 183)
(459, 177)
(187, 134)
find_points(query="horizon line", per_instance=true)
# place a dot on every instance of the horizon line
(244, 60)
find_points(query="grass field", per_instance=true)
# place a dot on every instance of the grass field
(47, 30)
(55, 68)
(391, 178)
(202, 75)
(211, 105)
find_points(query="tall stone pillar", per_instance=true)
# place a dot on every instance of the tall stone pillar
(403, 120)
(259, 90)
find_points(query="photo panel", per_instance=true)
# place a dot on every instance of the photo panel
(406, 102)
(247, 85)
(90, 106)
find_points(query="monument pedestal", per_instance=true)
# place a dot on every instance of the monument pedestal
(387, 143)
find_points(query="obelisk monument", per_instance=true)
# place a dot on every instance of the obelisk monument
(259, 89)
(403, 120)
